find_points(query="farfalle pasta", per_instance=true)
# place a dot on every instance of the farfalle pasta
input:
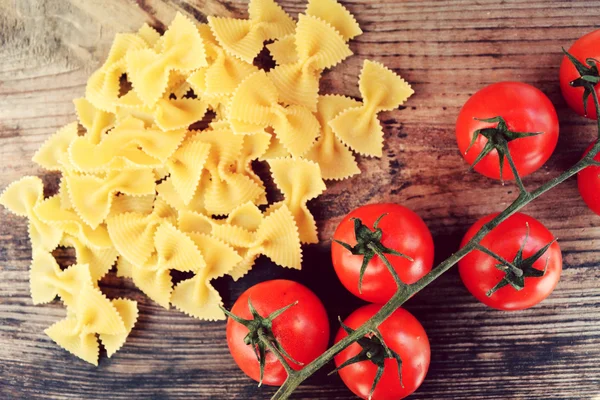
(227, 187)
(255, 106)
(382, 90)
(21, 198)
(180, 49)
(92, 313)
(48, 280)
(196, 296)
(145, 190)
(245, 38)
(95, 121)
(335, 14)
(133, 232)
(318, 46)
(334, 158)
(173, 250)
(129, 146)
(92, 196)
(299, 181)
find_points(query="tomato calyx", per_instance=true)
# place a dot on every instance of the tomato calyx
(498, 138)
(520, 268)
(260, 336)
(368, 244)
(588, 79)
(374, 350)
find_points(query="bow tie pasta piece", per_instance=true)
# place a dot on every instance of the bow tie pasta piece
(196, 296)
(334, 158)
(336, 15)
(124, 268)
(99, 261)
(319, 46)
(254, 146)
(227, 188)
(51, 213)
(95, 121)
(299, 181)
(132, 233)
(174, 250)
(219, 80)
(284, 50)
(126, 204)
(47, 280)
(91, 196)
(128, 311)
(63, 194)
(382, 90)
(247, 216)
(236, 236)
(129, 145)
(186, 167)
(168, 113)
(103, 87)
(93, 314)
(275, 150)
(20, 198)
(179, 113)
(277, 238)
(181, 49)
(149, 34)
(50, 154)
(244, 38)
(255, 105)
(166, 191)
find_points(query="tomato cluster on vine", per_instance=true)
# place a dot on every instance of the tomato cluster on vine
(505, 131)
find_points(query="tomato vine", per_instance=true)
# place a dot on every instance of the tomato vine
(406, 291)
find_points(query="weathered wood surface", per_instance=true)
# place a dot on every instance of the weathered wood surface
(447, 50)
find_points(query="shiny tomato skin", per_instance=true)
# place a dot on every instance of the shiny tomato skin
(403, 231)
(588, 182)
(525, 109)
(402, 333)
(302, 330)
(479, 273)
(585, 47)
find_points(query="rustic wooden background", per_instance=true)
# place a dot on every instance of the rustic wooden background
(448, 50)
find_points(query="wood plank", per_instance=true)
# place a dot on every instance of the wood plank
(448, 50)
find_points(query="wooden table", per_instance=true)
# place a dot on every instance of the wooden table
(447, 50)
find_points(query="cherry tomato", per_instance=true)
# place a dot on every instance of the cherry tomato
(403, 231)
(302, 330)
(479, 273)
(585, 47)
(403, 334)
(524, 109)
(588, 182)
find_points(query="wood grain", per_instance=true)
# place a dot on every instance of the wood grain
(448, 50)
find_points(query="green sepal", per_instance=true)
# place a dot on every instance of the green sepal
(258, 326)
(498, 138)
(368, 244)
(520, 268)
(375, 350)
(588, 79)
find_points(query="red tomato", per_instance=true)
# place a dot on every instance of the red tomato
(479, 273)
(302, 330)
(586, 47)
(403, 334)
(403, 231)
(588, 182)
(524, 109)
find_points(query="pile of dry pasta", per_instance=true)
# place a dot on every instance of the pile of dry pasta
(141, 190)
